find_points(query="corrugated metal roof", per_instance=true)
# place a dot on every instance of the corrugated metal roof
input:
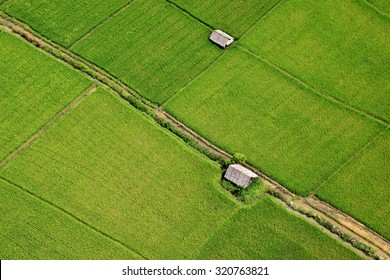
(244, 170)
(239, 175)
(221, 38)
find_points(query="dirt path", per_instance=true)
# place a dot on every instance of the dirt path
(346, 223)
(43, 130)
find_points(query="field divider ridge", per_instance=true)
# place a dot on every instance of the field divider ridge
(315, 90)
(263, 16)
(80, 64)
(216, 229)
(99, 24)
(194, 79)
(354, 155)
(345, 223)
(74, 217)
(56, 118)
(209, 26)
(151, 110)
(376, 9)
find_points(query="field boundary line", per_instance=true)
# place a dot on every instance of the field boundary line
(376, 9)
(66, 56)
(209, 26)
(193, 79)
(113, 14)
(345, 222)
(316, 91)
(353, 156)
(56, 118)
(74, 217)
(132, 97)
(263, 16)
(219, 227)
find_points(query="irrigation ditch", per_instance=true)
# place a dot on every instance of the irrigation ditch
(334, 221)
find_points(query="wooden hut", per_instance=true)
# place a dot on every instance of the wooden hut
(221, 38)
(240, 175)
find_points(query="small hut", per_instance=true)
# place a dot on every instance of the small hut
(240, 175)
(221, 38)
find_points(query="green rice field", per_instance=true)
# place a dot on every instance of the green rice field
(302, 94)
(62, 21)
(382, 5)
(267, 231)
(340, 47)
(32, 229)
(237, 16)
(33, 88)
(111, 167)
(285, 130)
(361, 188)
(155, 55)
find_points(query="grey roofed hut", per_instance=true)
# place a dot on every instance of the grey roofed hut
(240, 175)
(221, 38)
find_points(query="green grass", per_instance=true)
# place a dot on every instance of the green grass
(338, 46)
(268, 231)
(233, 17)
(290, 133)
(361, 188)
(33, 88)
(113, 168)
(62, 21)
(383, 5)
(32, 229)
(151, 46)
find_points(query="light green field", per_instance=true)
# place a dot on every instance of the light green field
(33, 88)
(62, 21)
(32, 229)
(233, 17)
(383, 5)
(288, 132)
(151, 46)
(361, 188)
(341, 47)
(111, 167)
(268, 231)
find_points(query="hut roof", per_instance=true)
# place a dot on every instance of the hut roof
(240, 175)
(221, 38)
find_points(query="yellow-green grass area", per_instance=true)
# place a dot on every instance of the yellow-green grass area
(268, 231)
(118, 171)
(32, 229)
(233, 17)
(62, 21)
(284, 129)
(382, 5)
(361, 188)
(33, 88)
(152, 46)
(340, 47)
